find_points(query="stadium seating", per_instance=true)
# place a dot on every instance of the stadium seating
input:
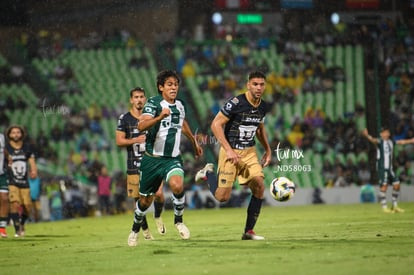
(335, 104)
(105, 78)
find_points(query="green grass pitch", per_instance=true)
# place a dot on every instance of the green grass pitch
(314, 239)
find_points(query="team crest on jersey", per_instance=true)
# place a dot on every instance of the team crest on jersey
(228, 106)
(235, 100)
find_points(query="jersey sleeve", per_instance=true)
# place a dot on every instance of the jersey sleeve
(121, 125)
(151, 108)
(229, 106)
(28, 149)
(266, 109)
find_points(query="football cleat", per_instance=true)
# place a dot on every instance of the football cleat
(160, 226)
(202, 174)
(183, 230)
(147, 235)
(387, 210)
(250, 235)
(133, 239)
(397, 210)
(3, 232)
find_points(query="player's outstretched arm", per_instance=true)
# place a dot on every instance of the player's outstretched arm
(369, 137)
(405, 141)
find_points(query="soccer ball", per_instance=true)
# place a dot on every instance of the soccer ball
(282, 189)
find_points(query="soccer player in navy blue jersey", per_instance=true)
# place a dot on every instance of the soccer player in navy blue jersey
(239, 122)
(22, 165)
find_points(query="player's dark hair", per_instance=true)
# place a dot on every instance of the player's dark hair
(163, 75)
(256, 74)
(8, 131)
(384, 128)
(136, 89)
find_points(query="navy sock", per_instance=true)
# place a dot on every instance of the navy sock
(136, 227)
(23, 219)
(16, 221)
(144, 223)
(212, 182)
(253, 211)
(158, 207)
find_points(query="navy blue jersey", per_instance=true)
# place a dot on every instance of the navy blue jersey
(128, 124)
(18, 174)
(244, 120)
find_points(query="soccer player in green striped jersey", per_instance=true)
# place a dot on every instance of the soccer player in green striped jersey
(128, 136)
(164, 119)
(386, 174)
(4, 187)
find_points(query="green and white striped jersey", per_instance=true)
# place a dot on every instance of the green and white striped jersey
(385, 150)
(164, 138)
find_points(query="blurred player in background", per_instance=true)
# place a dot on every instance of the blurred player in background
(164, 118)
(4, 188)
(237, 124)
(386, 174)
(35, 191)
(128, 135)
(22, 166)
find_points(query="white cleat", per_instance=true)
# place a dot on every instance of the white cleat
(183, 231)
(202, 174)
(250, 235)
(133, 239)
(147, 235)
(160, 226)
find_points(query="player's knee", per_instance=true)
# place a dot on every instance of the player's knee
(159, 196)
(145, 201)
(257, 187)
(14, 207)
(176, 185)
(222, 196)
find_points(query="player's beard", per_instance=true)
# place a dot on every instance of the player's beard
(16, 139)
(139, 107)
